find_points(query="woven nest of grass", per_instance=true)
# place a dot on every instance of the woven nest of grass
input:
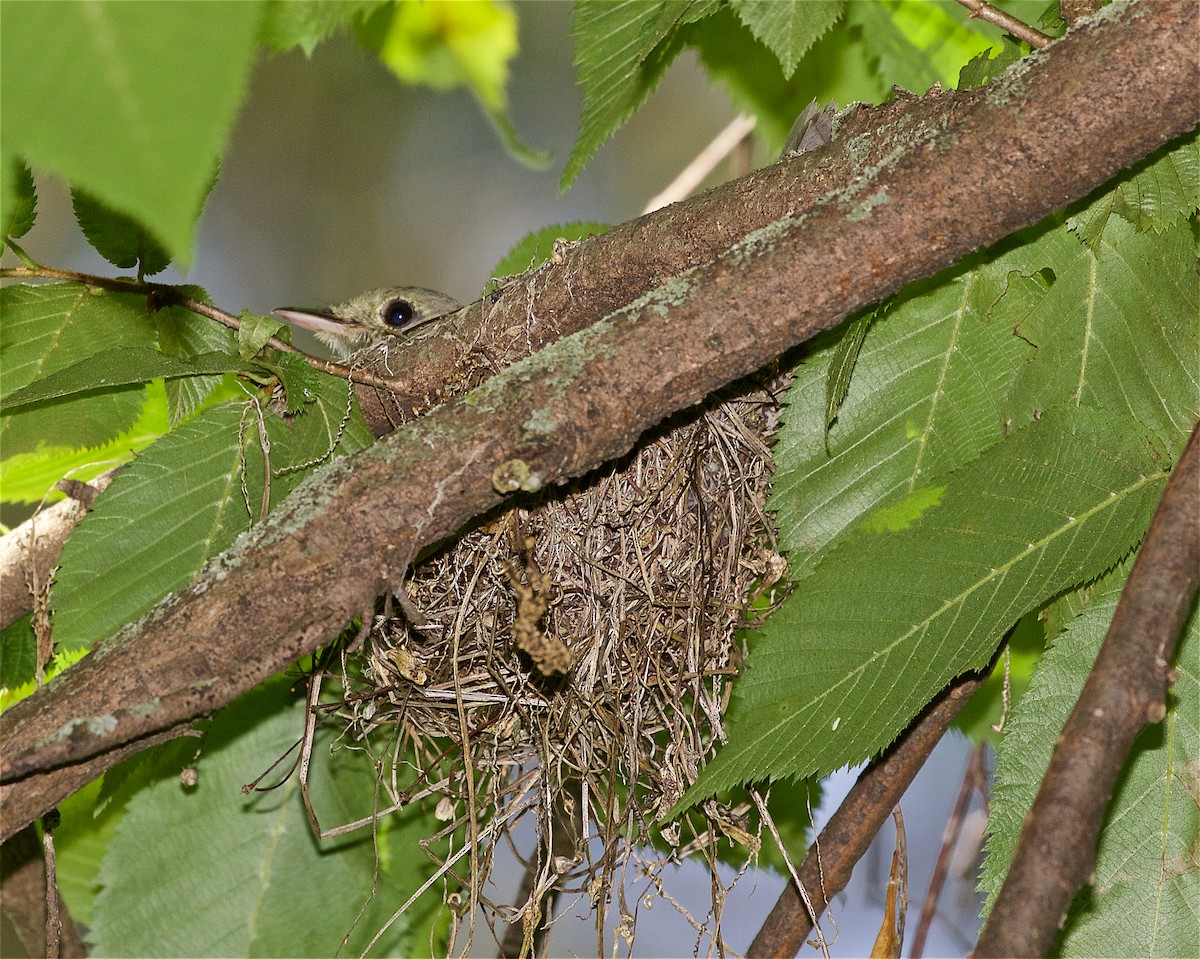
(570, 660)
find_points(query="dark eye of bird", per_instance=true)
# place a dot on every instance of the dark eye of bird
(398, 312)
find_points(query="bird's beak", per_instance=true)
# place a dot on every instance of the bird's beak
(319, 321)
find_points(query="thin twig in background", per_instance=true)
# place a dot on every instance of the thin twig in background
(982, 10)
(691, 176)
(1125, 691)
(850, 830)
(974, 780)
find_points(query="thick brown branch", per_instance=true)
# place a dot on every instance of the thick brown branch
(950, 184)
(1125, 691)
(845, 838)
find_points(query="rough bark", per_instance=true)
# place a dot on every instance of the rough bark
(957, 172)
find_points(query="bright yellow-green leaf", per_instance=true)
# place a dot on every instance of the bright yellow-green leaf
(449, 43)
(28, 477)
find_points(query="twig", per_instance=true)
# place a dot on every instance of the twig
(1125, 691)
(53, 918)
(982, 10)
(862, 813)
(971, 781)
(24, 892)
(814, 911)
(172, 295)
(692, 175)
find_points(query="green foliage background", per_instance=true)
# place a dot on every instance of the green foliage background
(985, 447)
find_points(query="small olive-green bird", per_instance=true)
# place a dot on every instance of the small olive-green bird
(371, 318)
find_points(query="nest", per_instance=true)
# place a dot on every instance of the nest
(569, 660)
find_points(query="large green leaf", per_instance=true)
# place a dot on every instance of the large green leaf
(183, 501)
(209, 871)
(924, 590)
(788, 27)
(1119, 330)
(926, 396)
(49, 328)
(134, 102)
(1142, 901)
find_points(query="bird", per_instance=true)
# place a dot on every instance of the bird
(377, 317)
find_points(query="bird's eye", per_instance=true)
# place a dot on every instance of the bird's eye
(398, 313)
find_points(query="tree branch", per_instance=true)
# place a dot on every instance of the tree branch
(1124, 692)
(946, 183)
(850, 830)
(983, 10)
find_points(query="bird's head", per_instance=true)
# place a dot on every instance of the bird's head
(372, 317)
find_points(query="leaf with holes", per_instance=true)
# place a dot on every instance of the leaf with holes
(1118, 331)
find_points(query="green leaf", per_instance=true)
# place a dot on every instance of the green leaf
(18, 653)
(30, 477)
(1157, 193)
(1119, 331)
(187, 336)
(254, 331)
(182, 502)
(306, 23)
(788, 27)
(119, 239)
(110, 368)
(891, 616)
(845, 355)
(133, 102)
(838, 68)
(20, 201)
(918, 44)
(926, 396)
(257, 881)
(622, 51)
(49, 328)
(536, 247)
(1142, 900)
(989, 64)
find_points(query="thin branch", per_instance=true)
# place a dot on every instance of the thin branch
(982, 10)
(172, 295)
(848, 834)
(974, 779)
(351, 529)
(1125, 691)
(692, 175)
